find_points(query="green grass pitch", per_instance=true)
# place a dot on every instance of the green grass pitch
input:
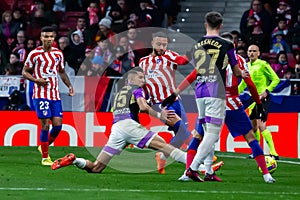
(132, 175)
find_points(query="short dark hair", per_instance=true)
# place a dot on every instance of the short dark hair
(47, 29)
(159, 34)
(227, 35)
(213, 19)
(134, 70)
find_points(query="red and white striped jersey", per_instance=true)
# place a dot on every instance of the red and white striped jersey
(233, 101)
(46, 65)
(160, 74)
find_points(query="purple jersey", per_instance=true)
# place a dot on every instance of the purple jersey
(211, 56)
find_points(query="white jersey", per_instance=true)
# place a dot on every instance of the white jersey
(46, 65)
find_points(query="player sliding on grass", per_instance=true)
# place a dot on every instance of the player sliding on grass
(127, 129)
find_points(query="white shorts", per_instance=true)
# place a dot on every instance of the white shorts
(211, 110)
(127, 132)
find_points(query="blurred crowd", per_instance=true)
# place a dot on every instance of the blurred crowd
(97, 37)
(274, 25)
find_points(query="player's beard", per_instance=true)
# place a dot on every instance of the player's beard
(156, 52)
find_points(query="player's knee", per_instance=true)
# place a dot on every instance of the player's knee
(55, 131)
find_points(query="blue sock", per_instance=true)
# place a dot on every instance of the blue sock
(55, 131)
(256, 148)
(194, 144)
(44, 136)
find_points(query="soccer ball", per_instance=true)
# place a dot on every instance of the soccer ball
(271, 164)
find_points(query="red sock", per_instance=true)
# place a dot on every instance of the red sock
(45, 147)
(50, 140)
(261, 162)
(190, 157)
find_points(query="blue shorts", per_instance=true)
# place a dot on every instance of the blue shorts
(238, 122)
(47, 108)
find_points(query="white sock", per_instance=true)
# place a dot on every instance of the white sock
(208, 162)
(204, 149)
(162, 156)
(178, 155)
(80, 162)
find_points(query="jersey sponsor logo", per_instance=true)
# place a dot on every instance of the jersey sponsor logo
(153, 74)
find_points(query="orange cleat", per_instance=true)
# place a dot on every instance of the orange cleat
(160, 163)
(63, 162)
(215, 167)
(215, 158)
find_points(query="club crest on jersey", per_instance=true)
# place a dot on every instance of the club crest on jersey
(56, 60)
(45, 112)
(158, 60)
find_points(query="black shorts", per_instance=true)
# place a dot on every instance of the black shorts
(266, 105)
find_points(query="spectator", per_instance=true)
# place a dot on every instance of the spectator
(103, 49)
(87, 63)
(260, 14)
(284, 11)
(19, 45)
(281, 26)
(255, 25)
(281, 65)
(236, 36)
(10, 70)
(148, 14)
(122, 63)
(297, 65)
(8, 28)
(241, 43)
(70, 57)
(78, 49)
(242, 51)
(98, 67)
(20, 18)
(92, 12)
(118, 18)
(131, 54)
(14, 60)
(59, 6)
(279, 43)
(30, 44)
(104, 8)
(105, 30)
(37, 21)
(290, 73)
(137, 45)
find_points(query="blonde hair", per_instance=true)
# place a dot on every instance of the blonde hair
(5, 14)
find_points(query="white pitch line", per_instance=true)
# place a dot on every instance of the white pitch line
(245, 157)
(146, 191)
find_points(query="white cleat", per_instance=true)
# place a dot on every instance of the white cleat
(268, 178)
(184, 177)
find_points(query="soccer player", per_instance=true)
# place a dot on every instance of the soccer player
(236, 118)
(210, 56)
(127, 129)
(159, 68)
(42, 66)
(265, 80)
